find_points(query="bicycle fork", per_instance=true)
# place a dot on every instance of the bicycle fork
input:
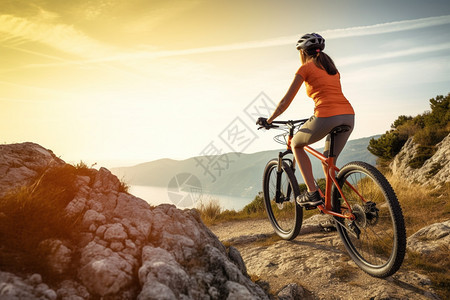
(278, 193)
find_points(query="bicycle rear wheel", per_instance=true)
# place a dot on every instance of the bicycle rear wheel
(376, 239)
(283, 212)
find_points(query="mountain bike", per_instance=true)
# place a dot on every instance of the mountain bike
(362, 203)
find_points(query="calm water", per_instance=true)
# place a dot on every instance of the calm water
(159, 195)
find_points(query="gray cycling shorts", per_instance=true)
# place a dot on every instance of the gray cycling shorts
(316, 129)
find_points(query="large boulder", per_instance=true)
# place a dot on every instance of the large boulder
(21, 163)
(430, 238)
(435, 171)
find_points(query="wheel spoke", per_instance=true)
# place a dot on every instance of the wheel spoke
(284, 215)
(380, 248)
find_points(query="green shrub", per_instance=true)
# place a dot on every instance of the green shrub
(440, 113)
(256, 206)
(429, 136)
(388, 145)
(428, 129)
(302, 187)
(423, 154)
(321, 182)
(400, 121)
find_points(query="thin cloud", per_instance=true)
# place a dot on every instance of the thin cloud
(36, 53)
(59, 36)
(328, 34)
(393, 54)
(67, 39)
(289, 40)
(387, 27)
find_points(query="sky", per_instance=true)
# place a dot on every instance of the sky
(118, 82)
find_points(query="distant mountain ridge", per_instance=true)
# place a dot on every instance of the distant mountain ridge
(232, 174)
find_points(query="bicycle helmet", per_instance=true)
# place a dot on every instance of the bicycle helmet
(311, 41)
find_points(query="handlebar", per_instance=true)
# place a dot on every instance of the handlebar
(289, 123)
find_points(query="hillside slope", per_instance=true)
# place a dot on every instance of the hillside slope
(233, 174)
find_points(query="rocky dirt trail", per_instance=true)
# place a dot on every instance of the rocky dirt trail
(316, 262)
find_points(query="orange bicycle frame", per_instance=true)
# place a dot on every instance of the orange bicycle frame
(330, 178)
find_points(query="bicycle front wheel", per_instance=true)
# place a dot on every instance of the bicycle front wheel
(283, 212)
(376, 239)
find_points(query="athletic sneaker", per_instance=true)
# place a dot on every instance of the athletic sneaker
(309, 199)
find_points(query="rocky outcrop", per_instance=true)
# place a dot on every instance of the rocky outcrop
(21, 163)
(431, 238)
(123, 248)
(435, 170)
(14, 287)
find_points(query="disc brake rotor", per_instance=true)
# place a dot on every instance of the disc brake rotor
(371, 213)
(360, 216)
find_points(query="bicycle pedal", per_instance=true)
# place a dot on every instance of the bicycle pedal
(311, 207)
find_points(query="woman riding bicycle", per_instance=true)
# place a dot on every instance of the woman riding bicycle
(332, 109)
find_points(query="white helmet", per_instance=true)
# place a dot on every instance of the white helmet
(311, 41)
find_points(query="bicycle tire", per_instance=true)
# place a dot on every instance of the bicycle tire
(286, 217)
(380, 247)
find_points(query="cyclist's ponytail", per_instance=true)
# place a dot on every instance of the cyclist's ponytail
(321, 60)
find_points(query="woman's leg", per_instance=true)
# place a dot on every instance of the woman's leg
(311, 132)
(304, 164)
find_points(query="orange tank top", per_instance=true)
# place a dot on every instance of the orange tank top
(325, 90)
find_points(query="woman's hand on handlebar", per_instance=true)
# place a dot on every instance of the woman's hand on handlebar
(263, 123)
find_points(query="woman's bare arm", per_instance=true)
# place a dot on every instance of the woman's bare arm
(287, 99)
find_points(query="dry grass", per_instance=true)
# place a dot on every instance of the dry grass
(34, 213)
(212, 213)
(209, 210)
(124, 187)
(421, 206)
(435, 266)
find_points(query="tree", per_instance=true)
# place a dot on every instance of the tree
(428, 129)
(400, 121)
(388, 145)
(440, 113)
